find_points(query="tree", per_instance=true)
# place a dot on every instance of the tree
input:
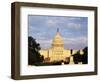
(81, 58)
(33, 51)
(76, 57)
(85, 56)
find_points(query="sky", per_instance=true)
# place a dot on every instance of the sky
(74, 30)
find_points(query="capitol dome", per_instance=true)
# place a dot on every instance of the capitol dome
(57, 41)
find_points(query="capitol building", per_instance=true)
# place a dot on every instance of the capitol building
(57, 52)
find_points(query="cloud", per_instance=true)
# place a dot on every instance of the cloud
(53, 22)
(44, 43)
(75, 43)
(56, 22)
(75, 40)
(43, 29)
(74, 25)
(70, 43)
(73, 18)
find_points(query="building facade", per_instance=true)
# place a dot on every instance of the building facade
(57, 52)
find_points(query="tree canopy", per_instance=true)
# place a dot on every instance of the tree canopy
(33, 51)
(81, 58)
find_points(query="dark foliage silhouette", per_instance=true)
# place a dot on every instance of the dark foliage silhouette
(81, 58)
(33, 51)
